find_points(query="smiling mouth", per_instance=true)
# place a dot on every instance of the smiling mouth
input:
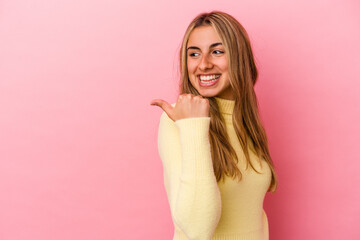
(208, 81)
(209, 78)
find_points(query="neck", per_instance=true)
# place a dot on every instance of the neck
(226, 106)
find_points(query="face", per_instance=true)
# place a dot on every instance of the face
(207, 64)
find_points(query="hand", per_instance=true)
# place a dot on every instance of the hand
(187, 106)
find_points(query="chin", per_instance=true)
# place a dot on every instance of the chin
(207, 94)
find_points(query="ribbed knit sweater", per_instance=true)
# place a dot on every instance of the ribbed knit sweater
(201, 207)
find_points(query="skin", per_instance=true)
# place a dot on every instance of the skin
(205, 55)
(202, 58)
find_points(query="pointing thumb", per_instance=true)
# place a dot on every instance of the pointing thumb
(164, 105)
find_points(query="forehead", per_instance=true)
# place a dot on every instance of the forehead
(203, 37)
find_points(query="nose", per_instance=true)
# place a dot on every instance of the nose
(205, 63)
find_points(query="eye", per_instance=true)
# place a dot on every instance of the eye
(193, 54)
(217, 52)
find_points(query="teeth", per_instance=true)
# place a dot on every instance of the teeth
(207, 78)
(209, 81)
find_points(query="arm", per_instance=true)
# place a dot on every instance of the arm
(190, 183)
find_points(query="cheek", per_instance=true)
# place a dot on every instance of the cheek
(191, 66)
(223, 65)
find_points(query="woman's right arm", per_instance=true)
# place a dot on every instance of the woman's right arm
(190, 183)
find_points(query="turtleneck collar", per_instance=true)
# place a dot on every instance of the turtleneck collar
(225, 106)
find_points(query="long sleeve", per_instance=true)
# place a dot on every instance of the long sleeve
(190, 183)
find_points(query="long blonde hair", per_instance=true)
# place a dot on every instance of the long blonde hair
(243, 76)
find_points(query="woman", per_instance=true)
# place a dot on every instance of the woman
(210, 136)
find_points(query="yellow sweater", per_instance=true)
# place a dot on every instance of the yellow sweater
(201, 207)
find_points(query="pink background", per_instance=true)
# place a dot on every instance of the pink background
(78, 137)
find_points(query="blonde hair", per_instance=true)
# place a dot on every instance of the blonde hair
(243, 76)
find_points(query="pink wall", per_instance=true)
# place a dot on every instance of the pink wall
(78, 149)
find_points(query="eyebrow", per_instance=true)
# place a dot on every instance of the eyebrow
(211, 46)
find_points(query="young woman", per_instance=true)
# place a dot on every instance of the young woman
(208, 139)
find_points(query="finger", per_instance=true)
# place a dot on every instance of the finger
(164, 105)
(153, 102)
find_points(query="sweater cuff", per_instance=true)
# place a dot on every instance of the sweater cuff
(195, 147)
